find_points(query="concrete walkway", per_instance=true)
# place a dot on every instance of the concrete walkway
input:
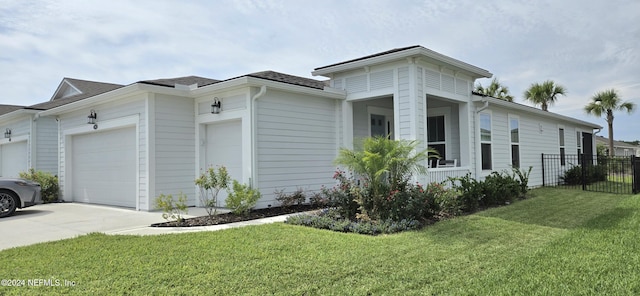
(50, 222)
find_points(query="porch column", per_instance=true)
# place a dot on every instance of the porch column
(466, 134)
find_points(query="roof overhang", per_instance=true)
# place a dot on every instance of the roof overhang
(529, 109)
(416, 52)
(247, 81)
(114, 95)
(18, 113)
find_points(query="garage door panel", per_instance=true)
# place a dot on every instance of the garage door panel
(104, 167)
(224, 147)
(13, 159)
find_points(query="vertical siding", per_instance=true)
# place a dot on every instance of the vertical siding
(420, 99)
(404, 103)
(46, 145)
(175, 150)
(125, 107)
(296, 143)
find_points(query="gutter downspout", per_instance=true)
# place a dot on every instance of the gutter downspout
(254, 161)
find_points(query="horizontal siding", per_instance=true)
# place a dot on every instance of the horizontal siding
(296, 143)
(47, 145)
(175, 150)
(228, 103)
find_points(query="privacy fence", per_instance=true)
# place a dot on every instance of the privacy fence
(592, 173)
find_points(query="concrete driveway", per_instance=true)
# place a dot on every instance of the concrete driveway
(56, 221)
(49, 222)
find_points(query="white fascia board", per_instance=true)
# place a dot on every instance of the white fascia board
(247, 81)
(474, 71)
(18, 113)
(533, 110)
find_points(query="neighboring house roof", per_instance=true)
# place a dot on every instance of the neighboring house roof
(72, 90)
(4, 109)
(400, 53)
(186, 80)
(616, 144)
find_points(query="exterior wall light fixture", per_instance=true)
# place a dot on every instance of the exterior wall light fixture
(216, 107)
(92, 117)
(7, 134)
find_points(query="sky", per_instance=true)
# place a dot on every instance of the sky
(584, 45)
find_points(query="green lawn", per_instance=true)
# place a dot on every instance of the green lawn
(560, 242)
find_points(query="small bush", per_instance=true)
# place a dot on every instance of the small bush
(499, 189)
(471, 192)
(172, 209)
(360, 227)
(242, 199)
(446, 202)
(295, 198)
(50, 190)
(210, 183)
(592, 174)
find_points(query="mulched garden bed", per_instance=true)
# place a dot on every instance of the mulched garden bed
(231, 217)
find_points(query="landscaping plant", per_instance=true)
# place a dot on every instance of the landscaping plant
(48, 183)
(242, 199)
(289, 199)
(210, 183)
(172, 209)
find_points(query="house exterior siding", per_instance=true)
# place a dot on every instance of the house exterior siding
(296, 143)
(46, 150)
(174, 129)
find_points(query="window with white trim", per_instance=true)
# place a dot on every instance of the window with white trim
(514, 131)
(436, 138)
(563, 160)
(485, 141)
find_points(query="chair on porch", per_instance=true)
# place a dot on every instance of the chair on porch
(447, 163)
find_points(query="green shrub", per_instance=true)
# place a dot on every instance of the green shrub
(50, 190)
(210, 183)
(326, 220)
(592, 174)
(289, 199)
(446, 202)
(242, 199)
(499, 189)
(471, 192)
(523, 178)
(172, 209)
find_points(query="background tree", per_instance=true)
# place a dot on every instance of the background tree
(605, 103)
(496, 90)
(544, 94)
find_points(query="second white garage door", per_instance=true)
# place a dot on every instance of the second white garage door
(104, 167)
(224, 147)
(13, 158)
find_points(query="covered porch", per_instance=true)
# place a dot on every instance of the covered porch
(443, 125)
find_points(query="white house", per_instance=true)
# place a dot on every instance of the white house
(278, 131)
(621, 148)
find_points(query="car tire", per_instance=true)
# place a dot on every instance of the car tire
(8, 203)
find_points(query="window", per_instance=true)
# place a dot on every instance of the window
(514, 128)
(436, 135)
(579, 142)
(563, 160)
(485, 140)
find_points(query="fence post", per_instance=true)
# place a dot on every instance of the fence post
(635, 175)
(583, 162)
(542, 157)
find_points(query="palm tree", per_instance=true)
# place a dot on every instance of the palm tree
(544, 94)
(605, 102)
(496, 90)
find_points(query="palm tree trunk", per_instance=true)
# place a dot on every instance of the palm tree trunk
(610, 125)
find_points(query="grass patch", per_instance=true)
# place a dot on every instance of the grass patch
(560, 242)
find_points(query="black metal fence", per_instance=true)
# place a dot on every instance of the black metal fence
(592, 173)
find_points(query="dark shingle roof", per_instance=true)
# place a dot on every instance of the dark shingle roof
(371, 56)
(187, 80)
(4, 109)
(290, 79)
(87, 89)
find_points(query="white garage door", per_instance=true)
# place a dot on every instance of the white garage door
(14, 158)
(224, 147)
(104, 167)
